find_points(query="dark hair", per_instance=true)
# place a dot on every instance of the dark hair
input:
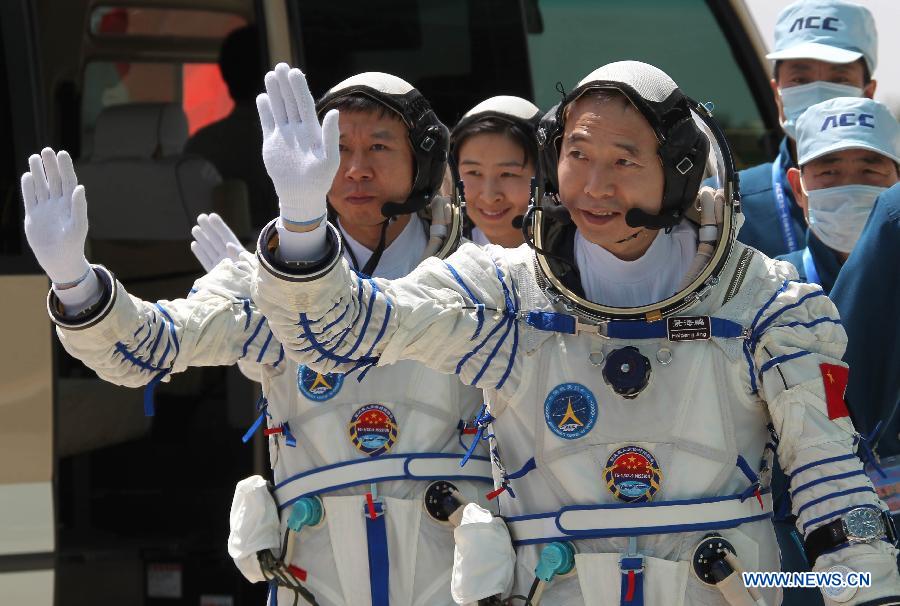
(867, 76)
(357, 102)
(495, 126)
(241, 65)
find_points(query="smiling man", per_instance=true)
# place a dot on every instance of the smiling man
(625, 429)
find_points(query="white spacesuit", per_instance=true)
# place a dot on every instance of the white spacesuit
(628, 434)
(366, 466)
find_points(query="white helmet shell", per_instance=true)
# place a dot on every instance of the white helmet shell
(504, 105)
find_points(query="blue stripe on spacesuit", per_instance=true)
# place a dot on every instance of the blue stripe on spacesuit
(338, 319)
(365, 325)
(340, 335)
(310, 336)
(138, 331)
(510, 314)
(280, 356)
(248, 312)
(379, 571)
(510, 307)
(750, 366)
(810, 324)
(771, 300)
(779, 359)
(162, 359)
(378, 337)
(387, 316)
(466, 357)
(144, 340)
(512, 357)
(836, 513)
(839, 476)
(328, 354)
(509, 322)
(252, 337)
(757, 329)
(479, 306)
(170, 324)
(643, 531)
(833, 495)
(803, 468)
(132, 358)
(265, 346)
(758, 332)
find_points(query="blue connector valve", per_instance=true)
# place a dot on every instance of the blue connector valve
(556, 558)
(305, 512)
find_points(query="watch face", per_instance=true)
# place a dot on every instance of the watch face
(864, 523)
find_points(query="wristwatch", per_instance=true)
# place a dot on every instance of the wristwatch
(859, 525)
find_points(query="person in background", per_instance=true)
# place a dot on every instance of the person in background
(848, 149)
(867, 294)
(823, 49)
(234, 143)
(493, 153)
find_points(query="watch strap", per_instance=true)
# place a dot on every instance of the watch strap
(823, 538)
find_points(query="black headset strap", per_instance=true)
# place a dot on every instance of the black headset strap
(372, 263)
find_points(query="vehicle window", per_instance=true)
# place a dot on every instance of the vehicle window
(114, 21)
(681, 38)
(457, 52)
(197, 86)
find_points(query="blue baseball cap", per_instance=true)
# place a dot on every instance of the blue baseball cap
(828, 30)
(847, 123)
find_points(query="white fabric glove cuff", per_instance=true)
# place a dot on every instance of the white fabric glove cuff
(308, 246)
(64, 269)
(80, 296)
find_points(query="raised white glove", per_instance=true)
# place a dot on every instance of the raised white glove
(56, 222)
(300, 156)
(214, 241)
(56, 226)
(301, 159)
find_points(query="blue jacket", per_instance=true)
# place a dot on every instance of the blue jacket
(867, 294)
(763, 228)
(815, 263)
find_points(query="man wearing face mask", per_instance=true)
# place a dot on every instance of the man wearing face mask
(848, 150)
(823, 49)
(865, 298)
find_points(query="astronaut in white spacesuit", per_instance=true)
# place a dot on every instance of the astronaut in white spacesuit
(493, 156)
(366, 464)
(640, 365)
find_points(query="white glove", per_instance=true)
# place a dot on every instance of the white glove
(483, 558)
(301, 158)
(214, 241)
(56, 222)
(56, 226)
(254, 526)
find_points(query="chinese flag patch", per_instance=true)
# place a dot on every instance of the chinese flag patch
(834, 377)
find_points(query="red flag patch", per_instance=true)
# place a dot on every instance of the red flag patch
(834, 378)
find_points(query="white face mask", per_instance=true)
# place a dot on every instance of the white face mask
(837, 215)
(797, 99)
